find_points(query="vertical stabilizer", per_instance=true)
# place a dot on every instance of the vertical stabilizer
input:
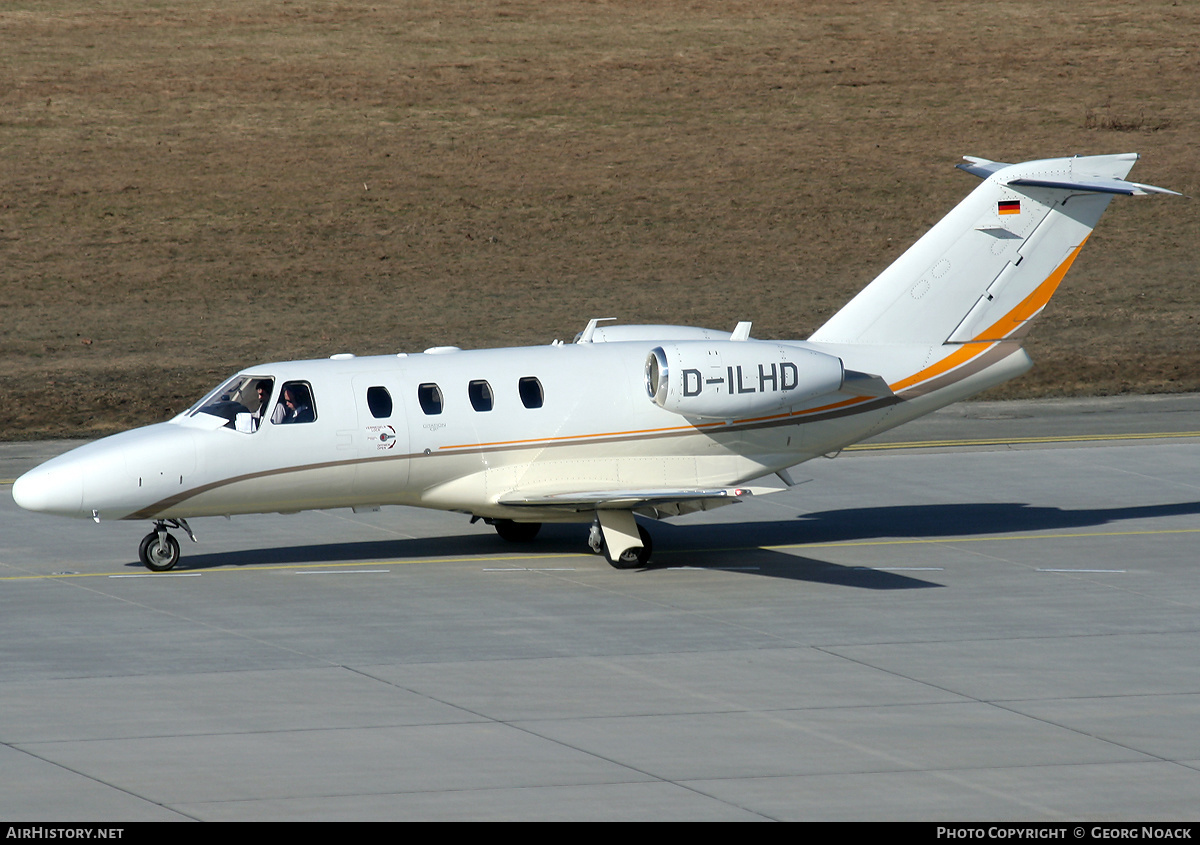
(990, 265)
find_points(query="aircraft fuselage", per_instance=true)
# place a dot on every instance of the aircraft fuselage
(535, 418)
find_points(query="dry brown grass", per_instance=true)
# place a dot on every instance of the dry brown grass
(192, 188)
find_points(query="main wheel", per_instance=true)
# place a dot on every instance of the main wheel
(635, 557)
(159, 555)
(517, 532)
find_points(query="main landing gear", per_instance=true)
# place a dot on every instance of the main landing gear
(516, 532)
(624, 543)
(614, 534)
(159, 551)
(633, 557)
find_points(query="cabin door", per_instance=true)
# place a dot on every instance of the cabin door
(381, 440)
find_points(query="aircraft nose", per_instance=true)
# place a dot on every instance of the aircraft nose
(54, 490)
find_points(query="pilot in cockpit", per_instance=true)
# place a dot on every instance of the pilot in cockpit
(264, 398)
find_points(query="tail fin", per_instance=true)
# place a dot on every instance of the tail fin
(990, 265)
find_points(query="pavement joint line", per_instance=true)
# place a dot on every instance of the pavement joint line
(530, 569)
(342, 571)
(1089, 571)
(132, 575)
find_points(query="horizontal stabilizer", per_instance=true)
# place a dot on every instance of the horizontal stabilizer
(983, 168)
(1095, 186)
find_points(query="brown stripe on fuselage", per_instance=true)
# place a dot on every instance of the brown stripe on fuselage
(975, 364)
(830, 412)
(972, 364)
(963, 362)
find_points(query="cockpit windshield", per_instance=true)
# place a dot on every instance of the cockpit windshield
(241, 402)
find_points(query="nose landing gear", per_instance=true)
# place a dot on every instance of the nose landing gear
(159, 551)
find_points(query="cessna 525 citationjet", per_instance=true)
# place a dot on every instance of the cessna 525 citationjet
(649, 420)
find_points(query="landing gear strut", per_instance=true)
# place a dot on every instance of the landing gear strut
(159, 551)
(596, 538)
(626, 545)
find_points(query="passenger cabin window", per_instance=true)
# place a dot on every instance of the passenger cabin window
(481, 395)
(430, 397)
(531, 392)
(380, 402)
(295, 404)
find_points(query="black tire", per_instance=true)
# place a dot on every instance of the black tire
(517, 532)
(159, 557)
(633, 558)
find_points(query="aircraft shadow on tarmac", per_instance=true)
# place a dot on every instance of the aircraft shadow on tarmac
(732, 546)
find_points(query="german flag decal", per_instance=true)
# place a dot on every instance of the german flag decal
(1008, 207)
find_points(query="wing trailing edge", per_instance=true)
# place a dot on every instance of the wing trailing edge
(660, 501)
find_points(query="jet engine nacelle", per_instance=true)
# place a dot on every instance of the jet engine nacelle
(730, 378)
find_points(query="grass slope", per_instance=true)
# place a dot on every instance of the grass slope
(193, 188)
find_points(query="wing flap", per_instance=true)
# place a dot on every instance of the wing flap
(590, 500)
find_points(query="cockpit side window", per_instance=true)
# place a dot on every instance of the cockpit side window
(295, 404)
(241, 402)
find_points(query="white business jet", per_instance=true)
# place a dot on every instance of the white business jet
(649, 420)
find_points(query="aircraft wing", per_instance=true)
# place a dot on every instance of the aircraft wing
(664, 502)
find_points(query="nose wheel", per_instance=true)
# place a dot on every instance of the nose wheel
(159, 551)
